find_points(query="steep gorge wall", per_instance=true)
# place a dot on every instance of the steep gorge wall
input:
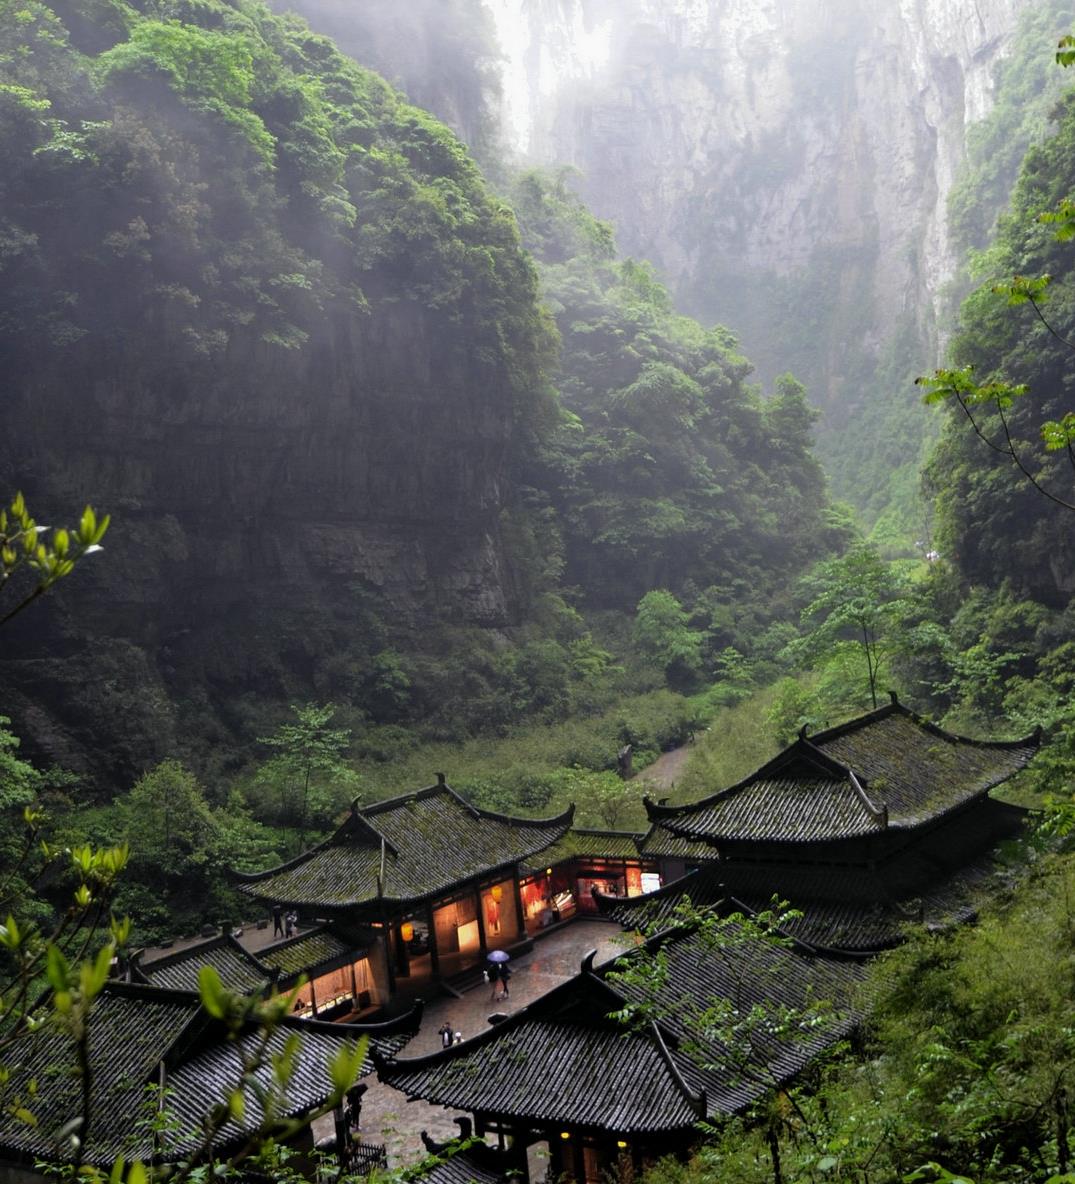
(785, 163)
(736, 143)
(258, 512)
(291, 345)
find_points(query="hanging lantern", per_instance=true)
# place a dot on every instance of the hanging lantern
(496, 892)
(548, 871)
(406, 931)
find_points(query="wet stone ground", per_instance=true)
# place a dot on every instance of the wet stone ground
(387, 1116)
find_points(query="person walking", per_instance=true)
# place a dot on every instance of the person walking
(445, 1032)
(505, 978)
(492, 977)
(277, 920)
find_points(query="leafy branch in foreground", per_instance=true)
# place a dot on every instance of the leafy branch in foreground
(997, 394)
(27, 546)
(738, 1029)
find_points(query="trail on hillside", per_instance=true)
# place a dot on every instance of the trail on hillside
(666, 770)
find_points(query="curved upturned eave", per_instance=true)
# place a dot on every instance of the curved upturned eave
(246, 881)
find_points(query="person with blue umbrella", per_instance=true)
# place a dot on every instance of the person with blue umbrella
(499, 972)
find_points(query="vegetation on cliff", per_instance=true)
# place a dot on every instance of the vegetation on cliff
(315, 383)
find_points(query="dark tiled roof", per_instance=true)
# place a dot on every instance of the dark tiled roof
(473, 1166)
(211, 1075)
(661, 843)
(560, 1060)
(776, 809)
(308, 951)
(131, 1031)
(749, 975)
(917, 769)
(885, 771)
(596, 844)
(936, 881)
(432, 840)
(238, 970)
(841, 907)
(580, 1073)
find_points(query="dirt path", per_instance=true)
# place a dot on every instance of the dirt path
(666, 770)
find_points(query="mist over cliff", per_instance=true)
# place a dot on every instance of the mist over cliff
(270, 316)
(786, 164)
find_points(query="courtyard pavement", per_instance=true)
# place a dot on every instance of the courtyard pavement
(387, 1116)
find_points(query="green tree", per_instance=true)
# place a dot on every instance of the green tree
(662, 634)
(602, 798)
(795, 706)
(309, 755)
(1009, 379)
(732, 1032)
(52, 970)
(857, 600)
(169, 822)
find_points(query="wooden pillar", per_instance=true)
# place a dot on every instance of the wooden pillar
(386, 937)
(482, 944)
(519, 1141)
(579, 1159)
(434, 953)
(517, 893)
(565, 1157)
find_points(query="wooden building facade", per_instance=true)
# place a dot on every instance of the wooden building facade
(431, 883)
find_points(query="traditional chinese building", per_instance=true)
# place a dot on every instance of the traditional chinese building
(430, 882)
(564, 1072)
(155, 1050)
(884, 820)
(865, 827)
(570, 875)
(334, 963)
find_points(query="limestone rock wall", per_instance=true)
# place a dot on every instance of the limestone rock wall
(785, 162)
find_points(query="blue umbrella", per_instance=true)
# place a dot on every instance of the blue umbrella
(499, 956)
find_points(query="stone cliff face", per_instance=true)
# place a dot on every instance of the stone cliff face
(292, 346)
(254, 520)
(786, 163)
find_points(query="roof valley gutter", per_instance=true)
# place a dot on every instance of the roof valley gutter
(697, 1101)
(879, 812)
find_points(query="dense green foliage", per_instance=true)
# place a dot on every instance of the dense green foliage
(215, 181)
(672, 468)
(876, 452)
(966, 1065)
(986, 505)
(209, 213)
(1026, 85)
(1003, 593)
(440, 53)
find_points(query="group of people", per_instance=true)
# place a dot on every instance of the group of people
(448, 1035)
(284, 924)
